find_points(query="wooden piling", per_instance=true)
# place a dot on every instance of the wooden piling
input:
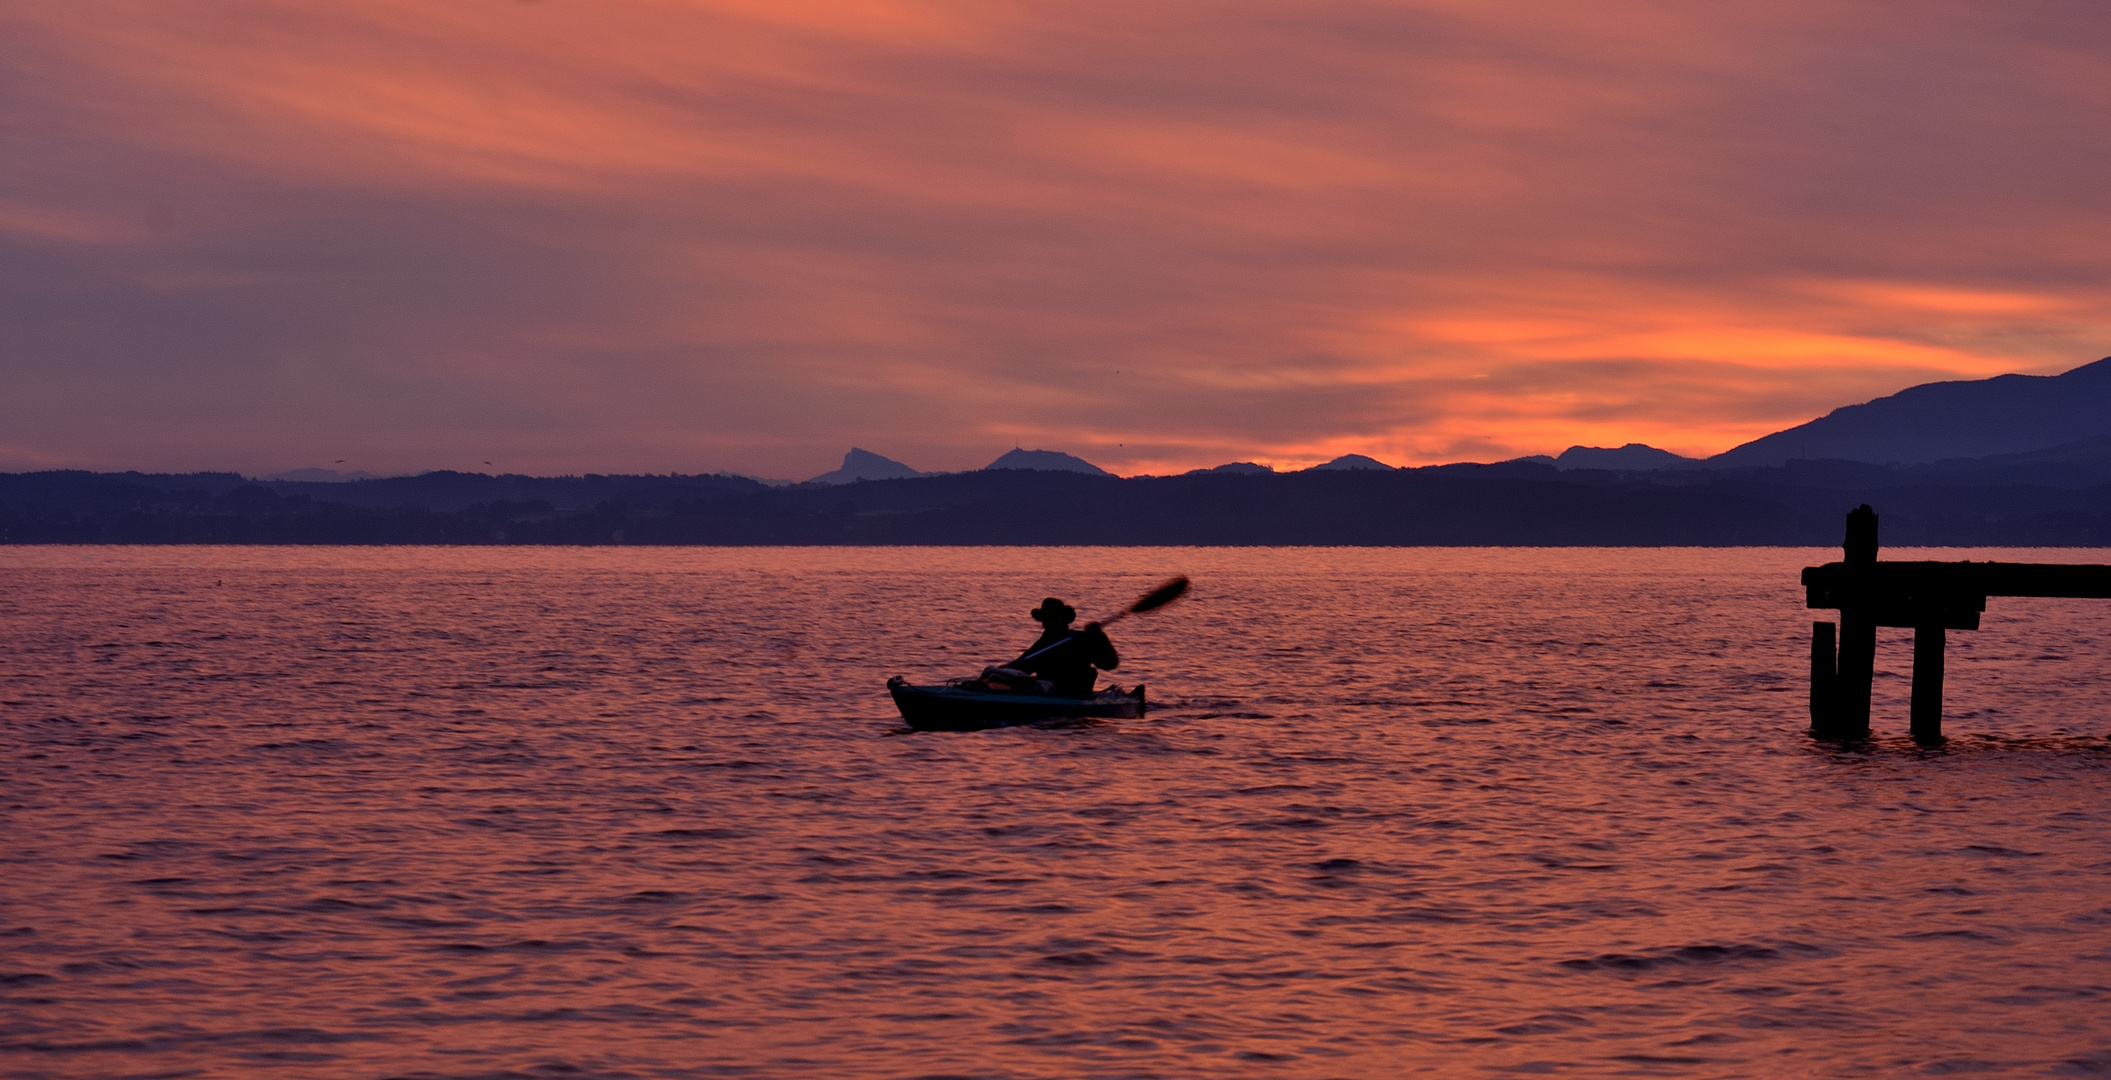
(1860, 546)
(1928, 642)
(1824, 671)
(1857, 674)
(1857, 670)
(1930, 598)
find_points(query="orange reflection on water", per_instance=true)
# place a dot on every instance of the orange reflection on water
(362, 812)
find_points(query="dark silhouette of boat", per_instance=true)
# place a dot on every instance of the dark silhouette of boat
(971, 705)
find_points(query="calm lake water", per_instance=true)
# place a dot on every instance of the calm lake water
(649, 813)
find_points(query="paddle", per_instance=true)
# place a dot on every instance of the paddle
(1150, 601)
(1153, 600)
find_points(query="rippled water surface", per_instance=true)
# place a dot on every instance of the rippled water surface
(649, 813)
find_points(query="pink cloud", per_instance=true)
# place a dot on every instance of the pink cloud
(657, 235)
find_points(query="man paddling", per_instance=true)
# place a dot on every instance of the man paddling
(1064, 656)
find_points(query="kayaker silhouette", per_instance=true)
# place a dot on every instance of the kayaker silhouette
(1065, 657)
(1052, 680)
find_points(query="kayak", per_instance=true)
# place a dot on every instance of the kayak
(967, 708)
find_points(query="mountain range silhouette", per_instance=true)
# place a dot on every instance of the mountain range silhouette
(865, 465)
(1934, 422)
(1912, 454)
(2007, 414)
(1045, 461)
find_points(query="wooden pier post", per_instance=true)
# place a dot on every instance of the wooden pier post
(1824, 672)
(1857, 671)
(1857, 675)
(1928, 642)
(1929, 598)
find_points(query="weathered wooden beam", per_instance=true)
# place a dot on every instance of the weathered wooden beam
(2042, 579)
(1913, 618)
(1949, 584)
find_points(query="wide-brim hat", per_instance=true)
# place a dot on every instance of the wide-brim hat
(1054, 610)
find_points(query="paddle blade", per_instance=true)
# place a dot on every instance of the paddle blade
(1160, 596)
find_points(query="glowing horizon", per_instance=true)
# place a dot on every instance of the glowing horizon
(653, 236)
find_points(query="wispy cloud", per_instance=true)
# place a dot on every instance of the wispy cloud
(649, 234)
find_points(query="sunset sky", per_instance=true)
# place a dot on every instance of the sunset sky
(651, 235)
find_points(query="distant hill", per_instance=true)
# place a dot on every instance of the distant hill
(2069, 465)
(1237, 468)
(1046, 461)
(2054, 497)
(1352, 463)
(865, 465)
(1634, 457)
(321, 476)
(2007, 414)
(1999, 500)
(452, 492)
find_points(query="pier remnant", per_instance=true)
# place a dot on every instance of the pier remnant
(1930, 598)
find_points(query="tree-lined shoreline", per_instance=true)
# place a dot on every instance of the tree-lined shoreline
(1979, 503)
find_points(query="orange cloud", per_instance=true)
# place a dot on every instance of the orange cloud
(648, 234)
